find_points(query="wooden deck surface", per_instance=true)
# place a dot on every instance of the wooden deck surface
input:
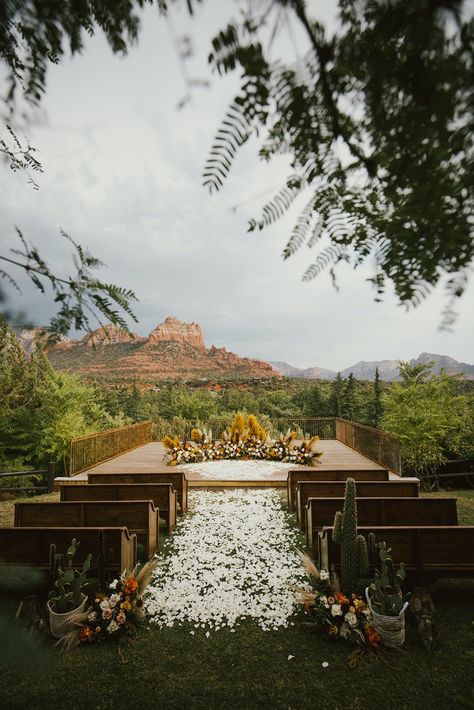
(152, 457)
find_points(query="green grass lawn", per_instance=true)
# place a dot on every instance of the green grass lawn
(170, 668)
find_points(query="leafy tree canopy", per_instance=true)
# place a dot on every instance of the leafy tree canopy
(433, 420)
(377, 121)
(41, 410)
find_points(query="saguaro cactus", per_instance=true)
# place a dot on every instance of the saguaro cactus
(354, 556)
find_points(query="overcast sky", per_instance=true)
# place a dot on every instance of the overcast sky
(122, 176)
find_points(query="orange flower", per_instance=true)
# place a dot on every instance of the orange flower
(341, 599)
(332, 630)
(131, 586)
(86, 633)
(126, 606)
(373, 637)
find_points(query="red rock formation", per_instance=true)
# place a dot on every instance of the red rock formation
(174, 350)
(174, 329)
(108, 335)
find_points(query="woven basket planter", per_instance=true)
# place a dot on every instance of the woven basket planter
(390, 628)
(62, 624)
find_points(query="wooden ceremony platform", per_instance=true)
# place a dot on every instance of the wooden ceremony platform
(151, 458)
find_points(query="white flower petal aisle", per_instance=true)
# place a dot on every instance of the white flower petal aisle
(234, 557)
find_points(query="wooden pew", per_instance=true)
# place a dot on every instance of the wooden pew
(380, 511)
(315, 474)
(163, 496)
(177, 478)
(427, 552)
(403, 487)
(140, 517)
(30, 546)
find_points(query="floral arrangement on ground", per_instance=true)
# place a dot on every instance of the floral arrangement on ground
(341, 616)
(244, 439)
(117, 613)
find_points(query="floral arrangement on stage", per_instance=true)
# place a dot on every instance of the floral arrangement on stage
(244, 439)
(118, 613)
(341, 616)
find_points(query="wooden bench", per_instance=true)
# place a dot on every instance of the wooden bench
(427, 552)
(163, 496)
(315, 474)
(140, 517)
(380, 511)
(30, 546)
(403, 487)
(177, 478)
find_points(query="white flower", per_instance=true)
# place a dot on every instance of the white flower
(351, 618)
(92, 616)
(344, 631)
(223, 568)
(324, 664)
(323, 575)
(324, 600)
(336, 610)
(104, 604)
(113, 585)
(113, 626)
(114, 599)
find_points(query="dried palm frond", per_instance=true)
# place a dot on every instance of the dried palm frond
(72, 638)
(169, 442)
(144, 576)
(335, 583)
(309, 565)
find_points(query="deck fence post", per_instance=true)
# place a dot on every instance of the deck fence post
(50, 472)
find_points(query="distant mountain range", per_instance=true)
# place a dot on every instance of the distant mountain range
(172, 351)
(388, 369)
(176, 351)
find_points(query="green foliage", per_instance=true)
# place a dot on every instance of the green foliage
(385, 591)
(350, 399)
(33, 36)
(79, 296)
(433, 420)
(41, 409)
(376, 408)
(367, 174)
(70, 584)
(336, 397)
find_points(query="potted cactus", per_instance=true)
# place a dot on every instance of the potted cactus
(385, 599)
(67, 600)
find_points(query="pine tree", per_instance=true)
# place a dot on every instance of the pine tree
(336, 398)
(376, 405)
(349, 402)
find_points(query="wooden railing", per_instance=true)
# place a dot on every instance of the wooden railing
(305, 427)
(47, 474)
(380, 446)
(87, 451)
